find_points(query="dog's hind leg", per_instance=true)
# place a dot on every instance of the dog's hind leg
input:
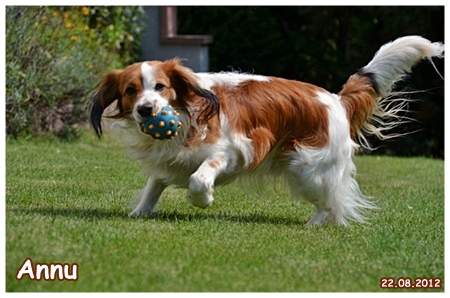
(315, 192)
(327, 180)
(148, 198)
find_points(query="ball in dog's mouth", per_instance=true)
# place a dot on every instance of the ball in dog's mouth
(163, 125)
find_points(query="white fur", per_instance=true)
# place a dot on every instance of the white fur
(227, 78)
(392, 62)
(395, 59)
(171, 163)
(323, 176)
(149, 94)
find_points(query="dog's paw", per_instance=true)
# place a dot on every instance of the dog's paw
(141, 213)
(201, 189)
(200, 199)
(319, 218)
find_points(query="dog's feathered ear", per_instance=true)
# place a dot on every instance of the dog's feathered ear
(185, 82)
(107, 93)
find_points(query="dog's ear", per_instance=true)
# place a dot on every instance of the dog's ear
(185, 83)
(106, 94)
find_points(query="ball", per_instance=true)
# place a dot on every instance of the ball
(163, 125)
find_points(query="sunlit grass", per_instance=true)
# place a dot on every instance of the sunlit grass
(67, 203)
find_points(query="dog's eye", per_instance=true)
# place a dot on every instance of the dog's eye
(159, 87)
(130, 91)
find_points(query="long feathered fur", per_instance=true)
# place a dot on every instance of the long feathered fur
(237, 125)
(373, 107)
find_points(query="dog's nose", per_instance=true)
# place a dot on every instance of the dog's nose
(145, 110)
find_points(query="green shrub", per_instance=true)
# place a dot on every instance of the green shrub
(54, 58)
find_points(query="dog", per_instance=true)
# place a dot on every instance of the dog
(237, 124)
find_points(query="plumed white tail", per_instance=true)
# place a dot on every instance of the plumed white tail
(395, 59)
(372, 106)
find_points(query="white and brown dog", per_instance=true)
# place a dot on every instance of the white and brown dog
(234, 124)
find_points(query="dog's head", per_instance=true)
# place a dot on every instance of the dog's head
(146, 87)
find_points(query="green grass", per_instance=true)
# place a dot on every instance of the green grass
(67, 203)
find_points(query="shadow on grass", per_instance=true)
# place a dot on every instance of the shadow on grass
(259, 218)
(166, 216)
(91, 213)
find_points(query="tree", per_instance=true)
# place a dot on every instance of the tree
(323, 46)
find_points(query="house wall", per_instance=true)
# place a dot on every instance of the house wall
(197, 55)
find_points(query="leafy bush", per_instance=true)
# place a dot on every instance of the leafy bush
(54, 58)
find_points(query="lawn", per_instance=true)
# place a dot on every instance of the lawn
(67, 202)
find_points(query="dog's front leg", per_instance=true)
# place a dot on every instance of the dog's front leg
(148, 198)
(201, 183)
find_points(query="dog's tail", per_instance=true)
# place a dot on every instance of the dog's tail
(368, 96)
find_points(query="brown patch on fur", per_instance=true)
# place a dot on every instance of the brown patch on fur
(108, 92)
(214, 164)
(274, 112)
(131, 77)
(114, 85)
(212, 133)
(188, 91)
(194, 100)
(358, 96)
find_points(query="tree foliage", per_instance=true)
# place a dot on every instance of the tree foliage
(324, 45)
(54, 58)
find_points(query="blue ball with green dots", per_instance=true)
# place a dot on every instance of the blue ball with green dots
(163, 125)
